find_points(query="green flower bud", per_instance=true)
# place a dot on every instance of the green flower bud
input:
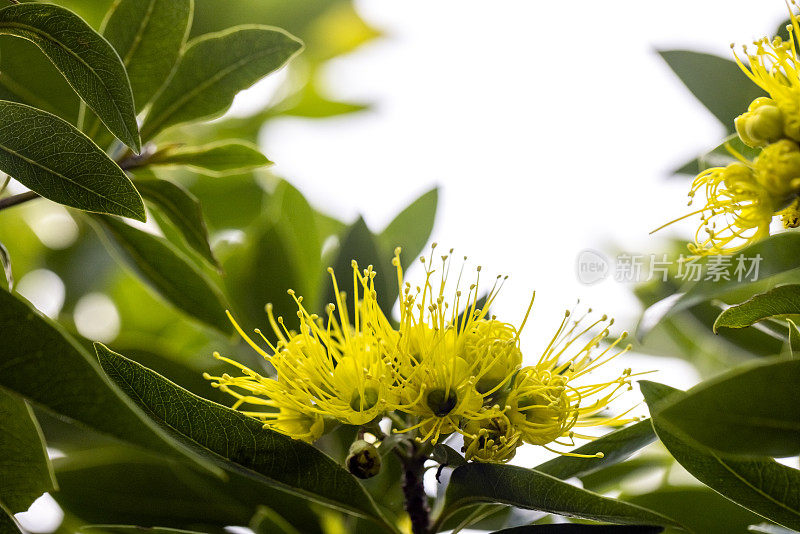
(363, 459)
(762, 124)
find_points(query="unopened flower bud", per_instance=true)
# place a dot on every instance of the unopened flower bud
(363, 460)
(762, 124)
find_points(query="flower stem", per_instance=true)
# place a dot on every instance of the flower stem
(416, 501)
(17, 199)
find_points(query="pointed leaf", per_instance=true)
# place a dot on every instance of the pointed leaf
(183, 210)
(616, 447)
(54, 159)
(752, 410)
(475, 483)
(705, 74)
(167, 271)
(131, 529)
(43, 364)
(447, 455)
(148, 36)
(215, 159)
(783, 300)
(761, 485)
(213, 68)
(24, 466)
(412, 227)
(87, 61)
(239, 442)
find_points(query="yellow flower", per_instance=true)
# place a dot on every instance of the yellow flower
(548, 400)
(450, 365)
(774, 68)
(493, 440)
(337, 369)
(742, 198)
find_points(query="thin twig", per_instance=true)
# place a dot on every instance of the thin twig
(17, 199)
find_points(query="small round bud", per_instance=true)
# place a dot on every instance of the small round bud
(363, 459)
(778, 168)
(761, 124)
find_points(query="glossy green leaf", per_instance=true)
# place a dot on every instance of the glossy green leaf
(778, 260)
(113, 484)
(168, 272)
(87, 61)
(751, 410)
(566, 528)
(28, 77)
(5, 261)
(148, 35)
(24, 467)
(239, 442)
(215, 159)
(412, 227)
(131, 529)
(616, 447)
(719, 156)
(183, 210)
(706, 75)
(525, 488)
(698, 508)
(43, 364)
(783, 300)
(54, 159)
(213, 68)
(761, 485)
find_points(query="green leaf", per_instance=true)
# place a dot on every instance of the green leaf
(5, 260)
(567, 528)
(167, 271)
(87, 61)
(54, 159)
(447, 455)
(699, 508)
(616, 447)
(719, 156)
(794, 339)
(24, 467)
(412, 227)
(718, 83)
(783, 300)
(268, 521)
(213, 68)
(114, 484)
(361, 245)
(778, 259)
(239, 442)
(148, 35)
(183, 210)
(222, 158)
(525, 488)
(761, 485)
(751, 410)
(43, 364)
(130, 529)
(28, 77)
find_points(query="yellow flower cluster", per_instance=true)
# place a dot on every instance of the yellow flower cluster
(446, 367)
(742, 199)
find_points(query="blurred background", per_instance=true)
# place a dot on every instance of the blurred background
(548, 128)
